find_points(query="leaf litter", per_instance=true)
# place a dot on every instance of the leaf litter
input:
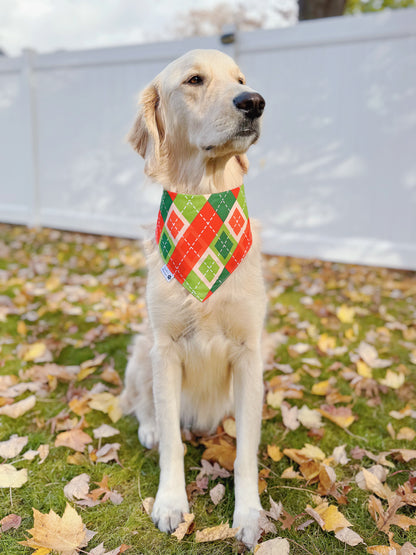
(339, 336)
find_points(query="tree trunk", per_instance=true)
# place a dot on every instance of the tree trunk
(315, 9)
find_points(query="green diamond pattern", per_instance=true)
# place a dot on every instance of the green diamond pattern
(189, 205)
(224, 245)
(209, 268)
(220, 280)
(222, 203)
(166, 245)
(196, 286)
(165, 204)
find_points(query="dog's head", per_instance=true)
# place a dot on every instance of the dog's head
(198, 103)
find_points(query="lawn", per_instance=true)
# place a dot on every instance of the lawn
(337, 458)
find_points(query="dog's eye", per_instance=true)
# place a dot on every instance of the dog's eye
(195, 80)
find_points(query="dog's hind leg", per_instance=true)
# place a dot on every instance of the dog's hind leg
(137, 395)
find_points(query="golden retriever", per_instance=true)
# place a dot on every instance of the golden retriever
(199, 361)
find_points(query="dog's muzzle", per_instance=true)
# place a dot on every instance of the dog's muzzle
(250, 103)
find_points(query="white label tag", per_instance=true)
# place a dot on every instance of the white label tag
(167, 274)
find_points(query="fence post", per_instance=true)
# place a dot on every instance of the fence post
(29, 90)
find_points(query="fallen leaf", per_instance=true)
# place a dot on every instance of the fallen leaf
(217, 493)
(184, 526)
(230, 427)
(370, 356)
(78, 487)
(275, 509)
(13, 446)
(215, 533)
(18, 409)
(212, 470)
(333, 519)
(345, 314)
(64, 534)
(290, 474)
(374, 485)
(404, 433)
(220, 451)
(9, 522)
(274, 452)
(147, 505)
(104, 431)
(108, 403)
(385, 519)
(321, 388)
(275, 398)
(75, 439)
(339, 455)
(310, 418)
(394, 380)
(290, 416)
(341, 416)
(108, 452)
(37, 352)
(348, 536)
(10, 477)
(276, 546)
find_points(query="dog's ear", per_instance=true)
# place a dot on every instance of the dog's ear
(243, 162)
(147, 133)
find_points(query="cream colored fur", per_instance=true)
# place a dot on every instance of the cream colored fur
(198, 361)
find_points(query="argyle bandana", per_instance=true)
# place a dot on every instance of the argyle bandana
(203, 238)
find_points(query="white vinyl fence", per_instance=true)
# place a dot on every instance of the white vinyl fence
(333, 175)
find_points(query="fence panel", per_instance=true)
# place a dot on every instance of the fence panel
(333, 175)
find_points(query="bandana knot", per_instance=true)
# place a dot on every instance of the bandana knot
(203, 238)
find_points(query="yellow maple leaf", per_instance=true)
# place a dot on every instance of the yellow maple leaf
(64, 534)
(363, 369)
(108, 403)
(345, 314)
(21, 328)
(312, 452)
(321, 388)
(333, 519)
(36, 350)
(326, 343)
(274, 452)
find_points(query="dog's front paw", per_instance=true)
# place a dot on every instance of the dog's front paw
(248, 522)
(168, 511)
(148, 435)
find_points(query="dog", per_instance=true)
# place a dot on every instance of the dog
(200, 359)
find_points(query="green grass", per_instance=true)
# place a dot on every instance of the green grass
(96, 306)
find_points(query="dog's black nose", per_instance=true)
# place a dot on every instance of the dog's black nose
(251, 103)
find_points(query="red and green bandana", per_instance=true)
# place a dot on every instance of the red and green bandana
(203, 238)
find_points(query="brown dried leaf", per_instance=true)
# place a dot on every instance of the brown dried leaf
(219, 450)
(10, 521)
(215, 533)
(217, 493)
(74, 439)
(184, 527)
